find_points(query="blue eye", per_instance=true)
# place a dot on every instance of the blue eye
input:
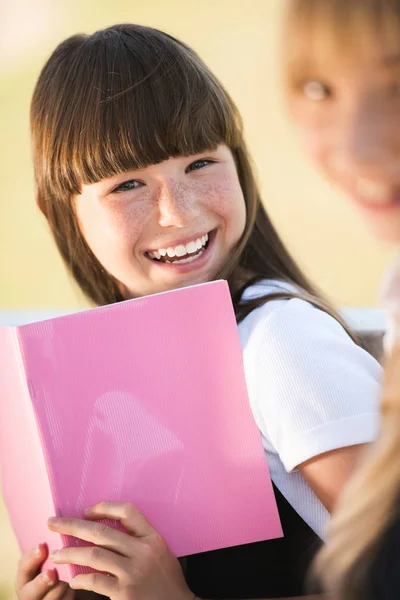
(198, 164)
(316, 90)
(132, 184)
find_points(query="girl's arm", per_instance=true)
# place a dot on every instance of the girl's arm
(327, 473)
(314, 394)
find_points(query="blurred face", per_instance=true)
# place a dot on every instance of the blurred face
(348, 116)
(166, 226)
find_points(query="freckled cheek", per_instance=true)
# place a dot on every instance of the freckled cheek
(127, 227)
(226, 201)
(110, 229)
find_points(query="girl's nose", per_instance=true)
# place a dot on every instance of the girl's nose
(177, 206)
(366, 140)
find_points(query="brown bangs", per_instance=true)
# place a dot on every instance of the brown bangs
(130, 96)
(322, 33)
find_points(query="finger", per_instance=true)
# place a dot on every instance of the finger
(29, 565)
(38, 588)
(61, 591)
(96, 533)
(125, 512)
(68, 595)
(95, 582)
(94, 557)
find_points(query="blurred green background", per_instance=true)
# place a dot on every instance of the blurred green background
(239, 40)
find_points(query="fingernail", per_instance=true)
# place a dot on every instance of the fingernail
(55, 555)
(52, 521)
(46, 578)
(36, 551)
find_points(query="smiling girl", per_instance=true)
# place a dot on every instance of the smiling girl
(342, 65)
(142, 172)
(342, 71)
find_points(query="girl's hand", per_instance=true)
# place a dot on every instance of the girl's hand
(31, 584)
(138, 564)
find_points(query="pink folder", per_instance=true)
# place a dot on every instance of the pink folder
(142, 401)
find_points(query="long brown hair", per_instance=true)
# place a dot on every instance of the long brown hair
(127, 97)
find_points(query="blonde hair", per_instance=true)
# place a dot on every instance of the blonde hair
(368, 505)
(319, 33)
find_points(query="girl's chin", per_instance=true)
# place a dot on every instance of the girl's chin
(175, 283)
(384, 229)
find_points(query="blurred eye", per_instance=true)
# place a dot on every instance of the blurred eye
(132, 184)
(198, 164)
(316, 90)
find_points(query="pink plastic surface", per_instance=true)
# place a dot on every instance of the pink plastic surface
(142, 401)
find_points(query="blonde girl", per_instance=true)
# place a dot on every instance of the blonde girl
(342, 71)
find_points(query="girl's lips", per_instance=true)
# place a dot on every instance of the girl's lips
(194, 265)
(392, 204)
(387, 203)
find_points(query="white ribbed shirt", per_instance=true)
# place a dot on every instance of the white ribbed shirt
(311, 390)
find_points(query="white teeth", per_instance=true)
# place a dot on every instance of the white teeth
(187, 260)
(180, 250)
(192, 247)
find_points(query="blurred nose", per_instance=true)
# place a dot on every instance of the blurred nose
(365, 139)
(177, 205)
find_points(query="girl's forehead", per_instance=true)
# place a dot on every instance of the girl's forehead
(320, 45)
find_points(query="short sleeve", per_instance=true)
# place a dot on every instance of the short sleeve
(312, 389)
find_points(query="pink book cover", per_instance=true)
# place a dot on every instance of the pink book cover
(142, 401)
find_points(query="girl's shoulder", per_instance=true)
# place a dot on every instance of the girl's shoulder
(292, 336)
(268, 287)
(289, 311)
(311, 387)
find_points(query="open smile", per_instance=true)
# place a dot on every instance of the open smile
(186, 255)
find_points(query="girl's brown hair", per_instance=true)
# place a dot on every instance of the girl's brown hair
(131, 96)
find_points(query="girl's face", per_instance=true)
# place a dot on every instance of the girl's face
(165, 226)
(348, 116)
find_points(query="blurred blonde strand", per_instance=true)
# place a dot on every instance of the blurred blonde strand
(368, 505)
